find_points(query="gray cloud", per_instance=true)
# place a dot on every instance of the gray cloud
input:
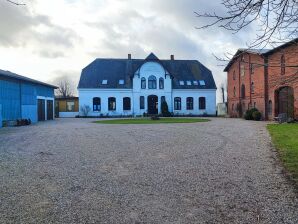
(18, 29)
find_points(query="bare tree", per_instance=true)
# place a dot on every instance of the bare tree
(65, 88)
(15, 3)
(277, 19)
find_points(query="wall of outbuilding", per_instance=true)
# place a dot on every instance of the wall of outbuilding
(19, 99)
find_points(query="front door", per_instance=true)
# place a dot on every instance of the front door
(152, 104)
(286, 101)
(41, 109)
(49, 109)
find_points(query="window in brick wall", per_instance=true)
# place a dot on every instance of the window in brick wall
(270, 107)
(242, 70)
(252, 87)
(251, 68)
(255, 105)
(234, 91)
(282, 65)
(234, 75)
(243, 91)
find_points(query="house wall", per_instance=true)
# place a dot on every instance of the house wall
(237, 103)
(19, 99)
(276, 80)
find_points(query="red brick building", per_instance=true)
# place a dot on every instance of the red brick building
(264, 79)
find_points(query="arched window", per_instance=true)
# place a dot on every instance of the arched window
(189, 103)
(202, 103)
(252, 87)
(143, 83)
(282, 65)
(161, 83)
(142, 102)
(177, 103)
(126, 103)
(96, 104)
(243, 91)
(152, 82)
(112, 103)
(234, 75)
(270, 107)
(234, 91)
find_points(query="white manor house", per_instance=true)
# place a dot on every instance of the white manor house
(129, 86)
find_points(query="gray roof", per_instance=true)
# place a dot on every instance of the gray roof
(115, 69)
(12, 75)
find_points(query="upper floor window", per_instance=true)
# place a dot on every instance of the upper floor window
(234, 75)
(243, 91)
(202, 82)
(121, 82)
(242, 70)
(181, 83)
(104, 82)
(189, 103)
(177, 103)
(202, 103)
(143, 83)
(96, 104)
(112, 103)
(188, 83)
(126, 103)
(142, 102)
(195, 83)
(70, 106)
(161, 83)
(251, 68)
(252, 87)
(282, 65)
(152, 82)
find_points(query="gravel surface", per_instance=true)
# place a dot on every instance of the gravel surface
(75, 171)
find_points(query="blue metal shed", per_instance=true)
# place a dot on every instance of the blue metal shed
(25, 98)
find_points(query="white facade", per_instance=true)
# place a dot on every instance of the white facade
(86, 95)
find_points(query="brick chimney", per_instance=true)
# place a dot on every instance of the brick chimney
(172, 57)
(129, 56)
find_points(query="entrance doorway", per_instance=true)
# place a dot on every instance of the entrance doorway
(284, 98)
(41, 109)
(50, 109)
(152, 104)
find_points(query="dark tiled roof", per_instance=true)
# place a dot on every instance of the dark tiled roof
(23, 78)
(115, 69)
(263, 52)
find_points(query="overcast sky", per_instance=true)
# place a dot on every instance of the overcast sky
(48, 39)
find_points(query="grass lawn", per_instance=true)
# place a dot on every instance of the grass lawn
(285, 138)
(149, 121)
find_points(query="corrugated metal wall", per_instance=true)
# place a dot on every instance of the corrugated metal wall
(19, 99)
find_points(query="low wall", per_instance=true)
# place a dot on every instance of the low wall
(68, 114)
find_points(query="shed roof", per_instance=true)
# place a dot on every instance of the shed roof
(25, 79)
(114, 70)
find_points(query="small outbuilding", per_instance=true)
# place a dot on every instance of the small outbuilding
(24, 98)
(66, 106)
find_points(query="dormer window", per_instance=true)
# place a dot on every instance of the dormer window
(104, 82)
(195, 83)
(181, 83)
(202, 83)
(188, 83)
(121, 82)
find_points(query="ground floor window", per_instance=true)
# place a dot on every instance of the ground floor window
(96, 104)
(270, 107)
(112, 103)
(126, 103)
(70, 106)
(177, 103)
(142, 102)
(189, 103)
(202, 103)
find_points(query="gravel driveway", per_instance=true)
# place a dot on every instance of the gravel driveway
(75, 171)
